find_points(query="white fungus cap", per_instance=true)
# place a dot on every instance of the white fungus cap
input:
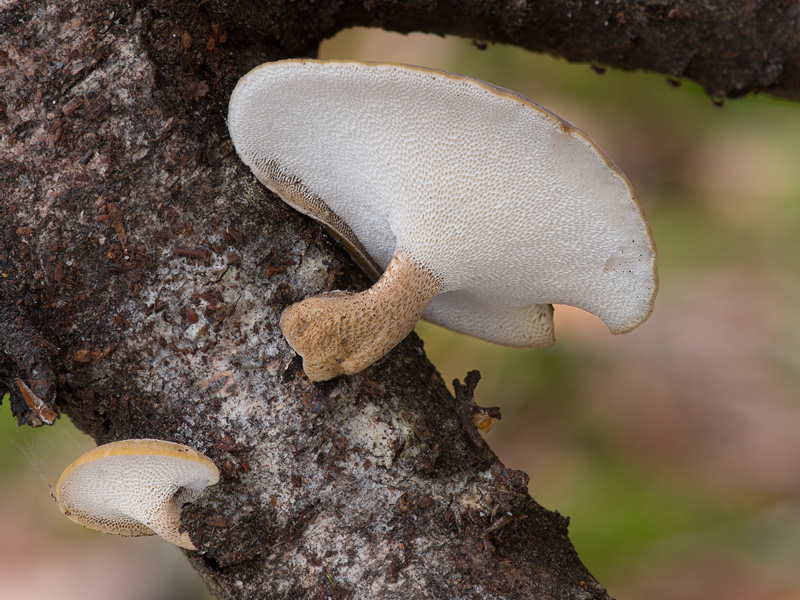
(509, 206)
(135, 487)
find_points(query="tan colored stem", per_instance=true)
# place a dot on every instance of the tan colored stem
(341, 333)
(164, 518)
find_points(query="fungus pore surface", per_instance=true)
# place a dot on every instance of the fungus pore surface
(135, 487)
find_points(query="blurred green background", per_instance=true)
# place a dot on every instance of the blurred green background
(675, 449)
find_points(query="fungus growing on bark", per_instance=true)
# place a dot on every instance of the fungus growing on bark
(135, 487)
(480, 207)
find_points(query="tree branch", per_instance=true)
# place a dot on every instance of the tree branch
(731, 48)
(144, 272)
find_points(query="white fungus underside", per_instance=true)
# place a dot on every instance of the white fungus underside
(123, 496)
(509, 205)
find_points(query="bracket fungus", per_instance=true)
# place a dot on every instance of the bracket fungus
(135, 487)
(479, 207)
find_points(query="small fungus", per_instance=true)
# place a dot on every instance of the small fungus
(473, 207)
(135, 487)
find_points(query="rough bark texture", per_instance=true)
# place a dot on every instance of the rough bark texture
(143, 272)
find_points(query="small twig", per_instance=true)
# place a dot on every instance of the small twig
(200, 253)
(39, 407)
(474, 418)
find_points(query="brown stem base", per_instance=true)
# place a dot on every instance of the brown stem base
(341, 333)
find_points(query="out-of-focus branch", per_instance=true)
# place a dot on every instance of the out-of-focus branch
(730, 47)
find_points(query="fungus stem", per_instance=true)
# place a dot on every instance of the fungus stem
(341, 333)
(164, 518)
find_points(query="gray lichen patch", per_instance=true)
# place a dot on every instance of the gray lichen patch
(366, 431)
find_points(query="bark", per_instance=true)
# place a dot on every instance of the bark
(143, 272)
